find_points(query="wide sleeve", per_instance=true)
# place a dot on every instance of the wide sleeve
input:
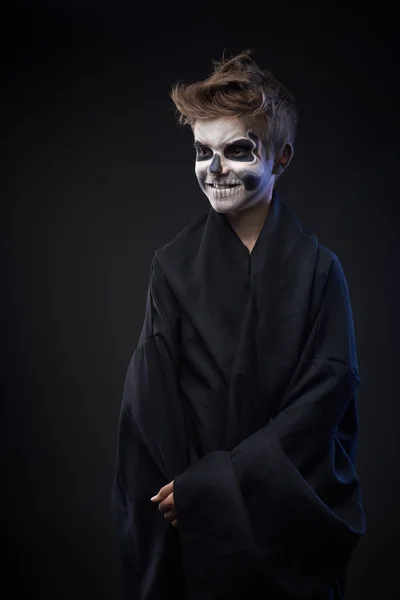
(286, 502)
(150, 452)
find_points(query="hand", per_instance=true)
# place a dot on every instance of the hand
(165, 497)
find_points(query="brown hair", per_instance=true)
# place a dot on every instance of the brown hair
(239, 88)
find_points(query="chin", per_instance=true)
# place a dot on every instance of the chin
(226, 206)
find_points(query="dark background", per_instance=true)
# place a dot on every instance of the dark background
(97, 175)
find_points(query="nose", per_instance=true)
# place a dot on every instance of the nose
(216, 167)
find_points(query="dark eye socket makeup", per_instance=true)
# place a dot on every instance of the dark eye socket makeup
(238, 149)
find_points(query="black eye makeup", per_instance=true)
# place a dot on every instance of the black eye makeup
(202, 152)
(241, 151)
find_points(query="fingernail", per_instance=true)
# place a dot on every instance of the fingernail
(154, 497)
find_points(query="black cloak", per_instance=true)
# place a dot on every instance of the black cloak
(243, 391)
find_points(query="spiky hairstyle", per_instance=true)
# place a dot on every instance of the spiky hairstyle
(239, 88)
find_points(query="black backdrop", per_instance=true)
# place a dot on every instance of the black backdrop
(97, 175)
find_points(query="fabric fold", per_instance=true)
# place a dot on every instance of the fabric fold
(243, 391)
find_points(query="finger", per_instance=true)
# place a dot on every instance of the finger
(167, 504)
(163, 493)
(170, 515)
(175, 523)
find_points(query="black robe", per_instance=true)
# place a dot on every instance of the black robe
(243, 391)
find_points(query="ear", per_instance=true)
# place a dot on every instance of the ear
(282, 162)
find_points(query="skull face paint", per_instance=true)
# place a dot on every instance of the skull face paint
(231, 166)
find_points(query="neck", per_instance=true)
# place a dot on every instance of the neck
(248, 222)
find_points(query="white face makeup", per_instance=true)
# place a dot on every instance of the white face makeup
(231, 167)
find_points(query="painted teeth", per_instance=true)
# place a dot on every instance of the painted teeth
(223, 186)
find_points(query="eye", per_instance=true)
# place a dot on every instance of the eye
(203, 152)
(236, 152)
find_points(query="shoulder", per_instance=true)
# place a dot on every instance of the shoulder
(168, 259)
(330, 264)
(182, 247)
(330, 282)
(293, 229)
(326, 259)
(306, 245)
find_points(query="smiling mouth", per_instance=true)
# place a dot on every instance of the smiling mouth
(223, 186)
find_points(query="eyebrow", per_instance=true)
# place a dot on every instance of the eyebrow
(240, 142)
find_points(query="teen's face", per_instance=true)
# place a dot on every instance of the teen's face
(231, 166)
